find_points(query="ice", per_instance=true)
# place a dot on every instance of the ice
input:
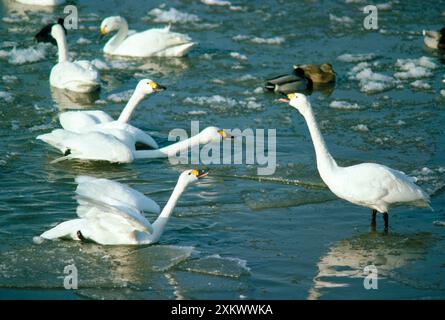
(216, 2)
(6, 96)
(439, 223)
(173, 16)
(100, 64)
(237, 55)
(9, 78)
(258, 40)
(213, 100)
(341, 20)
(359, 57)
(27, 55)
(414, 68)
(247, 77)
(369, 81)
(197, 112)
(83, 40)
(361, 127)
(420, 84)
(337, 104)
(120, 96)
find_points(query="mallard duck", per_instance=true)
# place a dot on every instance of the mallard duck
(434, 39)
(317, 73)
(295, 82)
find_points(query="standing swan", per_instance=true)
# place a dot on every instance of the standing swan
(152, 42)
(78, 76)
(111, 213)
(368, 184)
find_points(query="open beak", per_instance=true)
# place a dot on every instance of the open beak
(284, 100)
(202, 174)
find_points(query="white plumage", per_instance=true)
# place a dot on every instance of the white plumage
(111, 213)
(78, 76)
(368, 184)
(153, 42)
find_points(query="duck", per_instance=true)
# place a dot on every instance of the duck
(78, 76)
(119, 147)
(371, 185)
(111, 213)
(160, 42)
(317, 73)
(434, 39)
(98, 120)
(304, 78)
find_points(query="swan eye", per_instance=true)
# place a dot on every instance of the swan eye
(153, 85)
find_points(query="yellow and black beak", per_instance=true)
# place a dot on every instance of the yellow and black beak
(290, 96)
(224, 134)
(103, 32)
(200, 173)
(156, 87)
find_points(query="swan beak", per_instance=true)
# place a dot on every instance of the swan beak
(200, 173)
(156, 87)
(224, 134)
(103, 31)
(160, 88)
(290, 96)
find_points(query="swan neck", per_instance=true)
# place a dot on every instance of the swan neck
(168, 151)
(62, 48)
(126, 113)
(161, 221)
(120, 36)
(325, 162)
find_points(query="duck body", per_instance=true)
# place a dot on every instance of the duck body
(160, 42)
(434, 39)
(317, 73)
(288, 83)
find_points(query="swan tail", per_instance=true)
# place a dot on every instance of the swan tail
(68, 229)
(61, 159)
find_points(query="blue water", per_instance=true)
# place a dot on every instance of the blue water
(235, 235)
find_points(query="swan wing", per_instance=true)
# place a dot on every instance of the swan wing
(116, 217)
(97, 146)
(127, 132)
(80, 75)
(57, 138)
(78, 121)
(151, 42)
(112, 192)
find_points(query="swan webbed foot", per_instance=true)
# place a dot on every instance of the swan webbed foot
(80, 236)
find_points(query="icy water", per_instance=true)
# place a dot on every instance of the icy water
(234, 235)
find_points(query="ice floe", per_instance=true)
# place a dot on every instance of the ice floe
(414, 68)
(360, 127)
(172, 16)
(258, 40)
(358, 57)
(369, 81)
(25, 55)
(337, 104)
(6, 96)
(216, 2)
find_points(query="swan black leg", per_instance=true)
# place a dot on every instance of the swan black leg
(80, 236)
(385, 218)
(373, 219)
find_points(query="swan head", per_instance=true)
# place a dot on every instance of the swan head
(189, 176)
(212, 134)
(111, 24)
(44, 35)
(299, 101)
(148, 86)
(57, 31)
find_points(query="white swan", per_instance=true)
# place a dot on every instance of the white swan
(79, 76)
(97, 120)
(368, 184)
(152, 42)
(111, 213)
(118, 147)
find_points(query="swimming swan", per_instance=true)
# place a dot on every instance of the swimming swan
(152, 42)
(119, 147)
(434, 39)
(111, 213)
(78, 76)
(368, 184)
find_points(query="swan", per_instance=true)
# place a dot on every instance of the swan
(110, 213)
(434, 39)
(118, 147)
(78, 76)
(152, 42)
(368, 184)
(98, 120)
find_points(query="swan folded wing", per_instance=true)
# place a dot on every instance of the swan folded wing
(112, 193)
(98, 146)
(112, 215)
(124, 129)
(152, 41)
(78, 121)
(373, 183)
(78, 72)
(57, 138)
